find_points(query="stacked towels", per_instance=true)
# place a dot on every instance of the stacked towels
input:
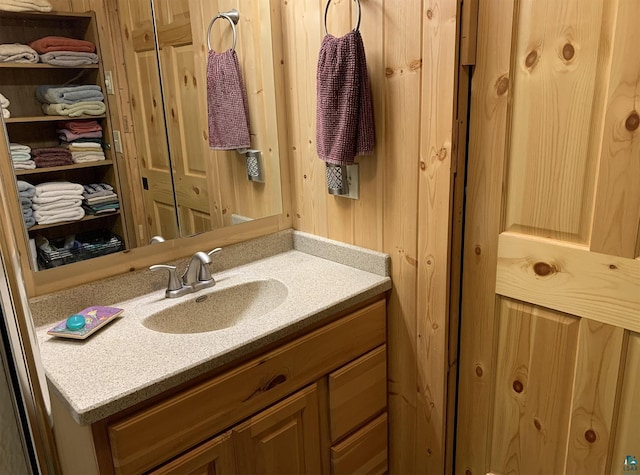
(82, 152)
(99, 198)
(83, 139)
(26, 192)
(21, 157)
(25, 5)
(4, 105)
(57, 201)
(73, 101)
(63, 51)
(17, 53)
(51, 157)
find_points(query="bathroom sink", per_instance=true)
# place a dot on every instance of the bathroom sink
(219, 308)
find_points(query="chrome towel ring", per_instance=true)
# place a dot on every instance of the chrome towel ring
(326, 11)
(232, 16)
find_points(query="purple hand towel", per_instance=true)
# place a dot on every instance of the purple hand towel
(228, 107)
(344, 114)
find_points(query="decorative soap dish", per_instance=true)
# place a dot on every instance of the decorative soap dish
(84, 323)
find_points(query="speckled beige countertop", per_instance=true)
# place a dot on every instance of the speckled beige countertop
(125, 362)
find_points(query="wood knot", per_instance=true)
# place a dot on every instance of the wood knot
(415, 65)
(590, 436)
(531, 59)
(468, 472)
(478, 250)
(186, 79)
(518, 386)
(196, 190)
(429, 14)
(537, 423)
(423, 166)
(568, 52)
(479, 371)
(613, 266)
(632, 122)
(543, 269)
(502, 85)
(389, 72)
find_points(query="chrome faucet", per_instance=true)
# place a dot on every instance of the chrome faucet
(197, 275)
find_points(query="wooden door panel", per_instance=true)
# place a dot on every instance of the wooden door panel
(557, 65)
(534, 379)
(599, 357)
(627, 436)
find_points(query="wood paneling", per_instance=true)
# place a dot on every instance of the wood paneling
(405, 189)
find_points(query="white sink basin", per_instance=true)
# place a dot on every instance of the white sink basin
(217, 309)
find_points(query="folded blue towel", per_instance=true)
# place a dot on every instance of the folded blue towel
(69, 94)
(25, 189)
(29, 221)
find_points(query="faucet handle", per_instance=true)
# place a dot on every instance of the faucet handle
(205, 273)
(174, 282)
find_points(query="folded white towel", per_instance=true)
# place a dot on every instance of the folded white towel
(43, 200)
(6, 114)
(24, 165)
(18, 147)
(74, 214)
(75, 110)
(17, 53)
(69, 58)
(4, 102)
(25, 5)
(89, 157)
(69, 94)
(20, 156)
(56, 205)
(51, 188)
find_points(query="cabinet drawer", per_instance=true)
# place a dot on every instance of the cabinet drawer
(357, 392)
(168, 428)
(365, 452)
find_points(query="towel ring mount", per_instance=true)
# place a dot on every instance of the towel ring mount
(326, 11)
(232, 16)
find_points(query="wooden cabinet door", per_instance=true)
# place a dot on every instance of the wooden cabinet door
(214, 457)
(284, 439)
(551, 279)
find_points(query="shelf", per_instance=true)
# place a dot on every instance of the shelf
(50, 118)
(35, 171)
(44, 66)
(88, 217)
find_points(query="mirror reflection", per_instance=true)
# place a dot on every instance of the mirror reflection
(184, 186)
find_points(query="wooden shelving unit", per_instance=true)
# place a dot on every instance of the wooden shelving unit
(29, 126)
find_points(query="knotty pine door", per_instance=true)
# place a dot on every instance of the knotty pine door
(550, 334)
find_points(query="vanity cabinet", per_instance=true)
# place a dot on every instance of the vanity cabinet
(28, 125)
(315, 404)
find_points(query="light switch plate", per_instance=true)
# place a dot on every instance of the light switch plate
(108, 82)
(353, 178)
(117, 141)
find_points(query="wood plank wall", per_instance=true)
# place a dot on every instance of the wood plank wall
(405, 190)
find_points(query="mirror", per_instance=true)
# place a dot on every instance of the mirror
(184, 187)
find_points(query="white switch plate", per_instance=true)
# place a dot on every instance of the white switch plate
(117, 141)
(353, 178)
(108, 82)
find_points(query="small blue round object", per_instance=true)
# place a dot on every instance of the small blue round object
(75, 322)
